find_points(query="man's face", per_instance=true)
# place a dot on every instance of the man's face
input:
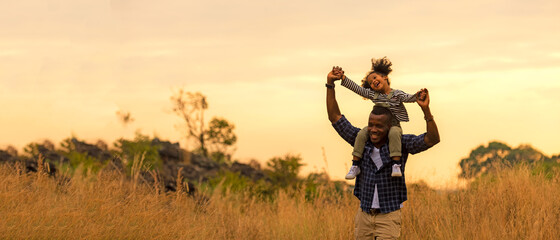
(377, 82)
(378, 128)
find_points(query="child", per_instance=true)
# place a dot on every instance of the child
(376, 87)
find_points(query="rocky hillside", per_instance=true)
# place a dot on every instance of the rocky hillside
(174, 161)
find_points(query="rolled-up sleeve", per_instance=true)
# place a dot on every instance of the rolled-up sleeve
(345, 129)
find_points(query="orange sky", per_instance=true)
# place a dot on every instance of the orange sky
(492, 67)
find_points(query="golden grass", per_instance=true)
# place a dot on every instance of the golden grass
(511, 205)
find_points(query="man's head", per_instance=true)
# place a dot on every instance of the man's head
(379, 124)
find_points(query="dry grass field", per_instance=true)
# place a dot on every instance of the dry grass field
(514, 204)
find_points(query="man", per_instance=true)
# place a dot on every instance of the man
(381, 196)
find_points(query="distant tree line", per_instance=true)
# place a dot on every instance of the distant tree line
(485, 159)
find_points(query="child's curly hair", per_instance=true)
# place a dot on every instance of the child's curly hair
(381, 66)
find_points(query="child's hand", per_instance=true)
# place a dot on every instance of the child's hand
(423, 98)
(335, 74)
(340, 73)
(421, 94)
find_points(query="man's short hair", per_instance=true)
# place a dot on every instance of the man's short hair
(382, 110)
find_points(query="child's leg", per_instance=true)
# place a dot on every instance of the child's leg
(395, 149)
(357, 154)
(395, 145)
(359, 144)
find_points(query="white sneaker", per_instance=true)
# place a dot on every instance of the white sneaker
(354, 171)
(396, 171)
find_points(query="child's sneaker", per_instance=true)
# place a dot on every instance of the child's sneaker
(354, 171)
(396, 171)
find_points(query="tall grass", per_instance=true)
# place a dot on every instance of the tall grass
(514, 204)
(509, 204)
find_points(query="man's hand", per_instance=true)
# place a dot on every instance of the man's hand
(335, 74)
(332, 106)
(423, 98)
(432, 135)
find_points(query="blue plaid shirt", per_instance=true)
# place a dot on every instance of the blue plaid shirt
(391, 190)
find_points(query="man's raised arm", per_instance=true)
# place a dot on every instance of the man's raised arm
(332, 106)
(432, 136)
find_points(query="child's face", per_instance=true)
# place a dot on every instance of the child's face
(377, 82)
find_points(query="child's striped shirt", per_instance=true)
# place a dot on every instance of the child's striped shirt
(395, 99)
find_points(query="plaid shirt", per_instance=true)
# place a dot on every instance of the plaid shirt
(391, 190)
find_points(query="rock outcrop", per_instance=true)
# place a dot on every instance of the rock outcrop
(176, 162)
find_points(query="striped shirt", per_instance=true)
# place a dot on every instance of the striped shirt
(391, 191)
(395, 99)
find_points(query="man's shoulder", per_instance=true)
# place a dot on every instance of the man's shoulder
(346, 130)
(414, 143)
(412, 136)
(341, 121)
(342, 124)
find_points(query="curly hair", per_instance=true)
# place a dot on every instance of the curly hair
(381, 66)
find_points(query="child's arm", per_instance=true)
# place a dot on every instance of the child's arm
(364, 92)
(405, 97)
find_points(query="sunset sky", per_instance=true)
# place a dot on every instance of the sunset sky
(492, 68)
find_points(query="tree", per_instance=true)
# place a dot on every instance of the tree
(191, 107)
(139, 150)
(284, 171)
(217, 139)
(481, 158)
(221, 137)
(484, 159)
